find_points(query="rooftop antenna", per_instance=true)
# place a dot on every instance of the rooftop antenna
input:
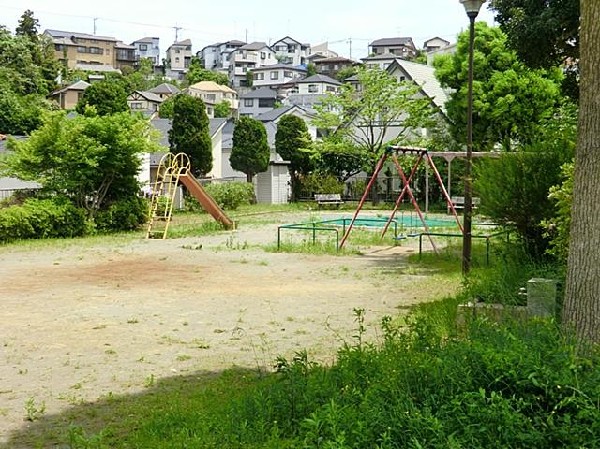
(176, 28)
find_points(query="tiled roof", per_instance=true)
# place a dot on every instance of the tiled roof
(165, 88)
(424, 76)
(392, 41)
(145, 40)
(319, 79)
(150, 96)
(77, 85)
(70, 34)
(254, 46)
(211, 86)
(261, 92)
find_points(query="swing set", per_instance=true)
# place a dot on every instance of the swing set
(421, 155)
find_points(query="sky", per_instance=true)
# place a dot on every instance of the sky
(348, 26)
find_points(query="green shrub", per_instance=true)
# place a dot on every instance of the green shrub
(122, 215)
(38, 219)
(228, 195)
(319, 183)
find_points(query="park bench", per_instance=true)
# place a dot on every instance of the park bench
(459, 202)
(328, 199)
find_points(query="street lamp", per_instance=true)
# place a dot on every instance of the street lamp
(472, 8)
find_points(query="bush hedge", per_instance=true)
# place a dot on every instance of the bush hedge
(41, 218)
(228, 195)
(122, 215)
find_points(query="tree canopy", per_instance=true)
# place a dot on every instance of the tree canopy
(93, 160)
(293, 143)
(197, 73)
(190, 132)
(250, 153)
(510, 100)
(361, 121)
(544, 34)
(107, 96)
(27, 72)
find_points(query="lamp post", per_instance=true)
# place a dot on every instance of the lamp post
(472, 8)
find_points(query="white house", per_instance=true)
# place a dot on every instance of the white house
(246, 59)
(142, 101)
(218, 56)
(148, 47)
(435, 43)
(290, 51)
(212, 94)
(179, 56)
(401, 47)
(258, 101)
(310, 91)
(381, 61)
(277, 75)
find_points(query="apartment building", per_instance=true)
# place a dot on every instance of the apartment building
(72, 48)
(218, 56)
(179, 56)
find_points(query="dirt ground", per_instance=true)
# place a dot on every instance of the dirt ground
(83, 318)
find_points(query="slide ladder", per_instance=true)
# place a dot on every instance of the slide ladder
(164, 191)
(172, 170)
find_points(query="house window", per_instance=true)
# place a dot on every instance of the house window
(59, 47)
(401, 78)
(330, 89)
(288, 74)
(266, 103)
(263, 55)
(211, 97)
(259, 76)
(177, 60)
(96, 50)
(81, 49)
(143, 47)
(248, 102)
(274, 75)
(177, 50)
(136, 105)
(313, 88)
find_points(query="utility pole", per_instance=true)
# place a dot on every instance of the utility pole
(95, 19)
(350, 42)
(176, 28)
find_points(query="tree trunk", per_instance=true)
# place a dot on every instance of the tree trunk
(581, 312)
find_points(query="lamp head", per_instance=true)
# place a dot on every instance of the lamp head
(472, 7)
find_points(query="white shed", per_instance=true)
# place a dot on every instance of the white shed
(273, 186)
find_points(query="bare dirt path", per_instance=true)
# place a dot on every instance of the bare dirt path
(84, 318)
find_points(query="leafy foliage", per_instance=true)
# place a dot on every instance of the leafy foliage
(511, 102)
(93, 160)
(28, 26)
(38, 219)
(124, 214)
(166, 108)
(231, 195)
(223, 109)
(514, 187)
(250, 153)
(107, 97)
(558, 227)
(383, 110)
(293, 143)
(189, 133)
(197, 73)
(544, 34)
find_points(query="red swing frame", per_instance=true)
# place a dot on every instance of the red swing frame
(394, 151)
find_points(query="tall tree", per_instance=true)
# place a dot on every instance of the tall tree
(28, 26)
(292, 143)
(543, 33)
(190, 133)
(510, 99)
(107, 96)
(582, 294)
(379, 111)
(250, 153)
(91, 159)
